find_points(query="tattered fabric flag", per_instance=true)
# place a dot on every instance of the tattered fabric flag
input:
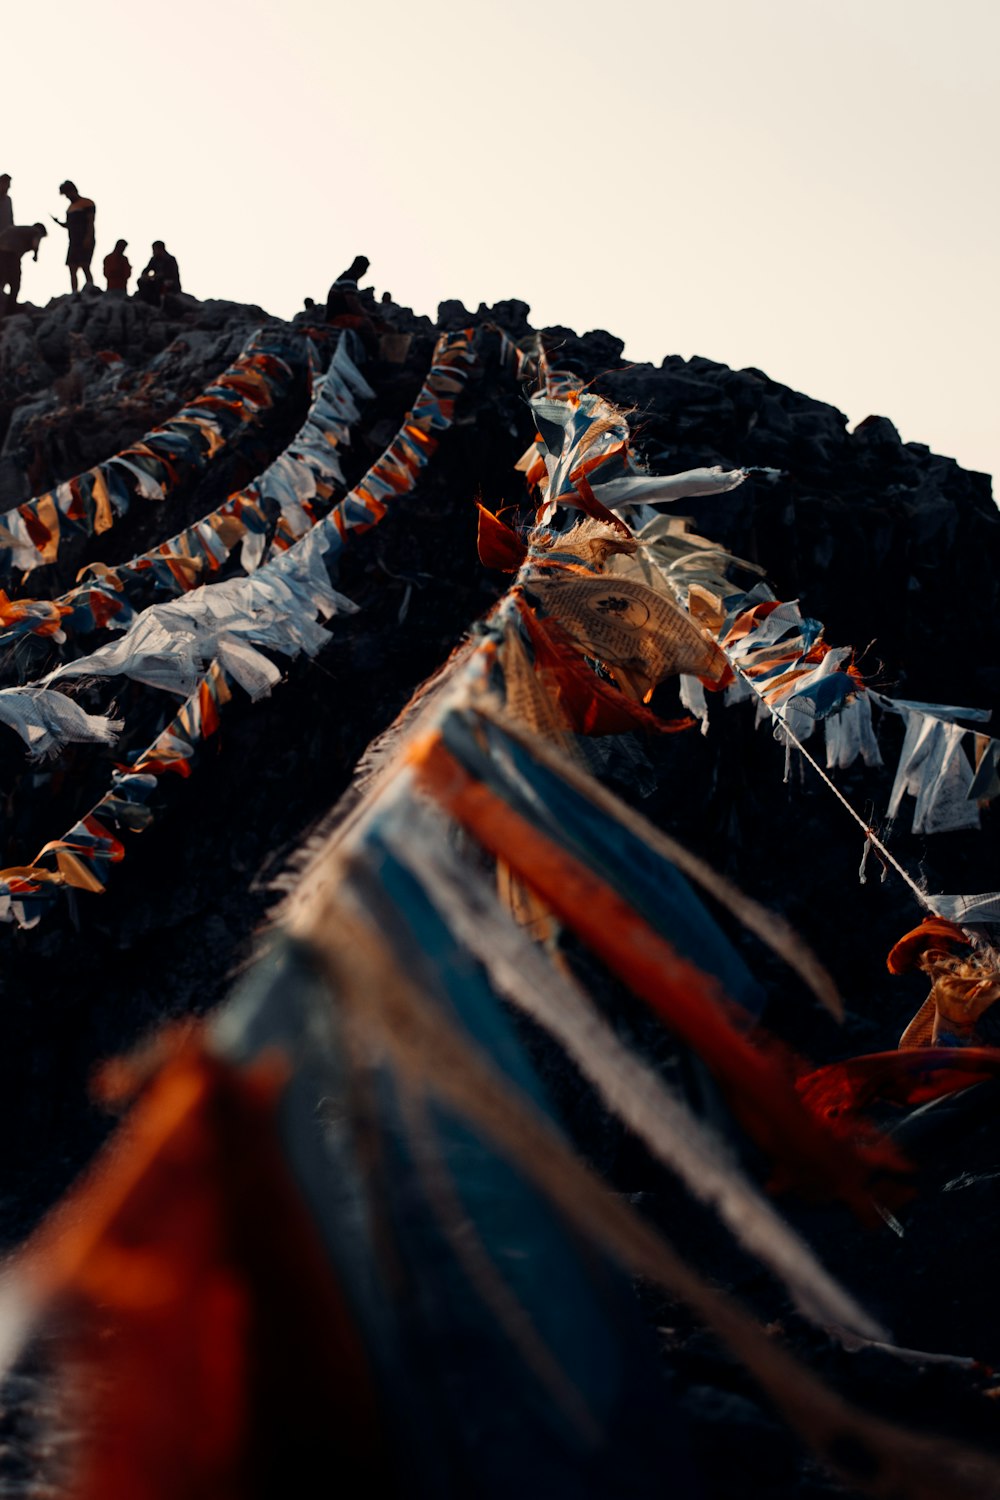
(969, 911)
(498, 546)
(692, 695)
(843, 1091)
(933, 768)
(965, 984)
(670, 552)
(588, 704)
(212, 1350)
(986, 781)
(849, 733)
(46, 721)
(946, 711)
(934, 935)
(584, 459)
(651, 489)
(625, 624)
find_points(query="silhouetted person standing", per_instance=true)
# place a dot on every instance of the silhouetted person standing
(79, 224)
(160, 278)
(15, 241)
(117, 268)
(6, 207)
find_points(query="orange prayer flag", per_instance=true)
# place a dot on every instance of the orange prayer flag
(217, 1353)
(499, 547)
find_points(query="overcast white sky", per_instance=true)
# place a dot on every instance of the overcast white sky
(807, 186)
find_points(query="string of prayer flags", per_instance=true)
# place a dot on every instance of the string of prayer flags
(226, 624)
(583, 458)
(799, 681)
(178, 451)
(82, 858)
(303, 481)
(780, 658)
(274, 608)
(268, 515)
(395, 472)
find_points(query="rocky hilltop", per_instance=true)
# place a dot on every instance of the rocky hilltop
(895, 549)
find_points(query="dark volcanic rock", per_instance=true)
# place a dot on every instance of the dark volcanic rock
(886, 543)
(91, 373)
(589, 354)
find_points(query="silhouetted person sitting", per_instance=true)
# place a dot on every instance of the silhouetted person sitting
(342, 299)
(6, 207)
(79, 224)
(15, 242)
(117, 269)
(160, 278)
(345, 309)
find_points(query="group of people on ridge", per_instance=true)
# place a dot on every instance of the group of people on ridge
(160, 279)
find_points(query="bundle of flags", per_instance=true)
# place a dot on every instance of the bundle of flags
(220, 635)
(271, 513)
(780, 659)
(775, 656)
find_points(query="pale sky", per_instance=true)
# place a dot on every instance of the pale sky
(806, 186)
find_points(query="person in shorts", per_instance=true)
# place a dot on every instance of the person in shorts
(79, 224)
